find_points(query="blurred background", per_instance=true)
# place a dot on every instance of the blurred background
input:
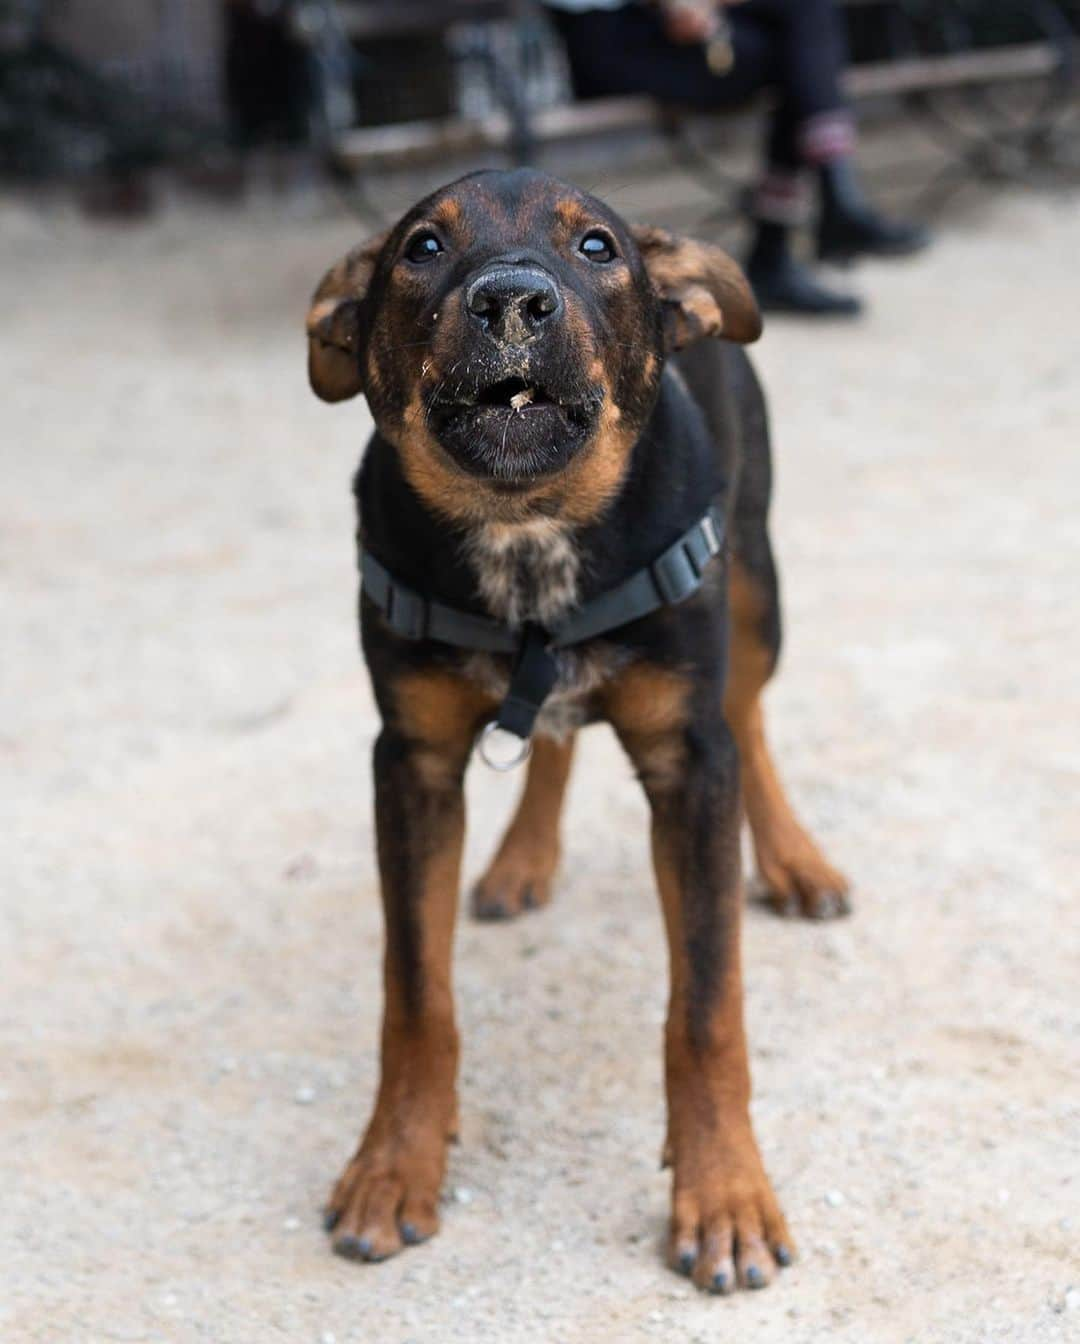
(190, 998)
(120, 99)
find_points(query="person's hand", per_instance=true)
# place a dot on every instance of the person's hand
(689, 23)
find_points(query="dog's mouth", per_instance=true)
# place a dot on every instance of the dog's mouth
(515, 394)
(515, 429)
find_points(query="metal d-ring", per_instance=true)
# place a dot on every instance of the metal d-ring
(484, 744)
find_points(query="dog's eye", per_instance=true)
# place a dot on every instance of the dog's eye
(424, 247)
(597, 246)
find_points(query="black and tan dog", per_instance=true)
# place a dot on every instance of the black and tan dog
(536, 447)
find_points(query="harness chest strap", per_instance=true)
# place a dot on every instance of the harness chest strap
(672, 577)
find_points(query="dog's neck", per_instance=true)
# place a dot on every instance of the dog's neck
(540, 567)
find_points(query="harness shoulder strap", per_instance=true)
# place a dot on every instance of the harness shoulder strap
(671, 578)
(413, 616)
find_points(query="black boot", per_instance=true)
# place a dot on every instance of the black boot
(783, 285)
(849, 226)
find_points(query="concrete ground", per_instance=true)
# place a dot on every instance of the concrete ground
(190, 915)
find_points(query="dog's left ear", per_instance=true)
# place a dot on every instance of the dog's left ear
(333, 323)
(704, 291)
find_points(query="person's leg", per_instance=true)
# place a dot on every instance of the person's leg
(812, 127)
(813, 54)
(779, 206)
(779, 203)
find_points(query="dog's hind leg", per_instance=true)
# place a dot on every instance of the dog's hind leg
(793, 869)
(795, 873)
(521, 873)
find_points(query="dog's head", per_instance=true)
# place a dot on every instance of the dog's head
(509, 334)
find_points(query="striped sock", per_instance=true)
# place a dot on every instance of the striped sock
(827, 136)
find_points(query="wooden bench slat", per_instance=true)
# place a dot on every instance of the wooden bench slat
(410, 140)
(419, 140)
(990, 65)
(375, 18)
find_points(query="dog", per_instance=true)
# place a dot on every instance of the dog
(563, 519)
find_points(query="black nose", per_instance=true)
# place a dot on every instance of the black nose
(512, 303)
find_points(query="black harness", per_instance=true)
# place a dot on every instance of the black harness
(671, 578)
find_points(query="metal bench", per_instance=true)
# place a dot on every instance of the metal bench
(919, 79)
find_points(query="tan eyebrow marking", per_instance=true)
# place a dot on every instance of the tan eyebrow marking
(570, 212)
(449, 212)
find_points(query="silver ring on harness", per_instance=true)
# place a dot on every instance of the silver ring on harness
(487, 745)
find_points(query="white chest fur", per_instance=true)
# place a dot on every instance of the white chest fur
(525, 572)
(530, 572)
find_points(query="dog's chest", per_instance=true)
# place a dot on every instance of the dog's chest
(531, 572)
(525, 572)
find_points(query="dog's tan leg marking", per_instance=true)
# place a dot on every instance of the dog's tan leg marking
(388, 1194)
(521, 873)
(726, 1225)
(797, 876)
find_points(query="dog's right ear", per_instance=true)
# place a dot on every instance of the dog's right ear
(333, 323)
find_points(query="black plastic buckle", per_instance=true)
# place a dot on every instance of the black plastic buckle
(406, 612)
(678, 572)
(676, 575)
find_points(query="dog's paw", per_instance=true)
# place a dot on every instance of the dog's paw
(515, 882)
(796, 879)
(727, 1230)
(386, 1199)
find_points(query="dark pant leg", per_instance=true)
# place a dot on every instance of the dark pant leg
(809, 47)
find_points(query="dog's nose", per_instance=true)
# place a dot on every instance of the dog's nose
(513, 303)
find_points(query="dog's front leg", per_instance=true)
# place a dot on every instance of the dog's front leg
(726, 1225)
(388, 1194)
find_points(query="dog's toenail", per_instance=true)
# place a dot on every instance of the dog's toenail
(720, 1282)
(754, 1277)
(687, 1259)
(783, 1256)
(831, 905)
(351, 1247)
(409, 1235)
(331, 1218)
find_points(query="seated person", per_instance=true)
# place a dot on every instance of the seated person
(707, 54)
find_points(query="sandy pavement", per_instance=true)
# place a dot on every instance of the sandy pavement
(190, 919)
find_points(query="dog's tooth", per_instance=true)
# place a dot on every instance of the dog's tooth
(520, 399)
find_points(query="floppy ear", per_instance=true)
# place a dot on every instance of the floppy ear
(703, 291)
(333, 323)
